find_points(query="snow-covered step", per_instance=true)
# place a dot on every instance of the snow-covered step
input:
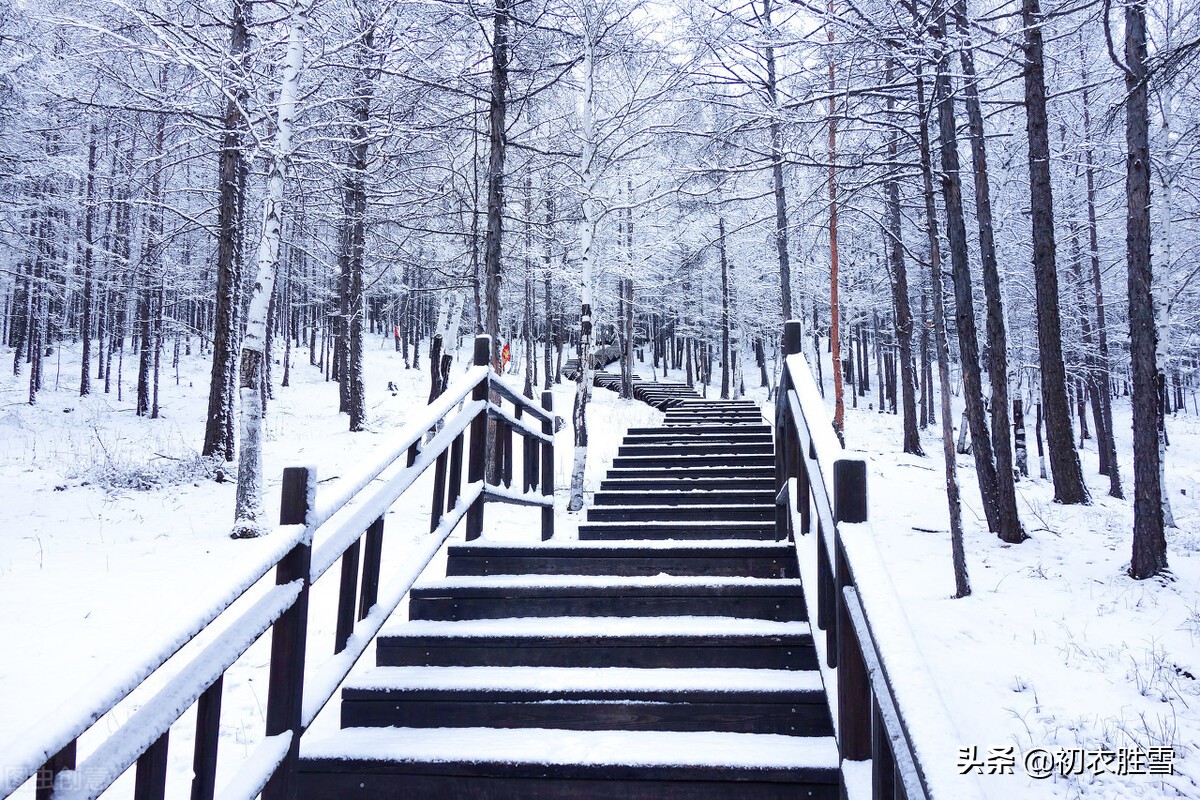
(788, 702)
(500, 596)
(543, 763)
(639, 642)
(683, 497)
(678, 530)
(678, 513)
(710, 558)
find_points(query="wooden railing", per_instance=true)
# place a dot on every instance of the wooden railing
(315, 534)
(887, 709)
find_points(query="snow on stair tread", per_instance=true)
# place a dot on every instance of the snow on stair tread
(650, 544)
(567, 679)
(583, 627)
(674, 523)
(606, 581)
(570, 747)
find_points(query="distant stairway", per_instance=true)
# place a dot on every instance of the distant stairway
(665, 655)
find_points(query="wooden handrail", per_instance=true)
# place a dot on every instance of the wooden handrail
(338, 526)
(816, 478)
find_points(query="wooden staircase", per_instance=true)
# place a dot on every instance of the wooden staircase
(665, 654)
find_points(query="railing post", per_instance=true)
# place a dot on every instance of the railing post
(477, 454)
(547, 476)
(285, 692)
(854, 686)
(850, 490)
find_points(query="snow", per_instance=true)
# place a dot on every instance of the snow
(553, 680)
(115, 549)
(591, 748)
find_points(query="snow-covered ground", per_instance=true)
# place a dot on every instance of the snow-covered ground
(1056, 648)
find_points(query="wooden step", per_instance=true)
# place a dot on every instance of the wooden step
(689, 470)
(687, 449)
(683, 513)
(716, 430)
(691, 481)
(684, 436)
(683, 497)
(504, 596)
(638, 642)
(723, 460)
(714, 558)
(543, 763)
(682, 531)
(787, 702)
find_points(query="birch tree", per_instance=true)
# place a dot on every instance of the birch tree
(250, 516)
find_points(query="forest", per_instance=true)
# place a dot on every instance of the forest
(995, 201)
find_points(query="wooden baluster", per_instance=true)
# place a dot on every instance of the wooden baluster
(883, 760)
(413, 451)
(506, 440)
(346, 598)
(526, 472)
(208, 731)
(285, 693)
(439, 492)
(478, 448)
(547, 469)
(150, 775)
(62, 760)
(372, 555)
(456, 452)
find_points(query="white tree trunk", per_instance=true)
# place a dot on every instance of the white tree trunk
(587, 232)
(250, 517)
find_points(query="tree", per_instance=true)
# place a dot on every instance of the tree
(1064, 460)
(1149, 540)
(249, 514)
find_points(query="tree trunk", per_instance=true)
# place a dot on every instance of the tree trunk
(835, 345)
(89, 215)
(250, 517)
(956, 234)
(904, 320)
(1011, 529)
(962, 583)
(1019, 437)
(1149, 540)
(776, 134)
(587, 233)
(231, 184)
(495, 177)
(724, 307)
(1064, 460)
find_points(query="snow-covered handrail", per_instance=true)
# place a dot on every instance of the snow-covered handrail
(342, 525)
(887, 709)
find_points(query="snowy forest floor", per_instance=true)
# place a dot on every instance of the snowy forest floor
(114, 531)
